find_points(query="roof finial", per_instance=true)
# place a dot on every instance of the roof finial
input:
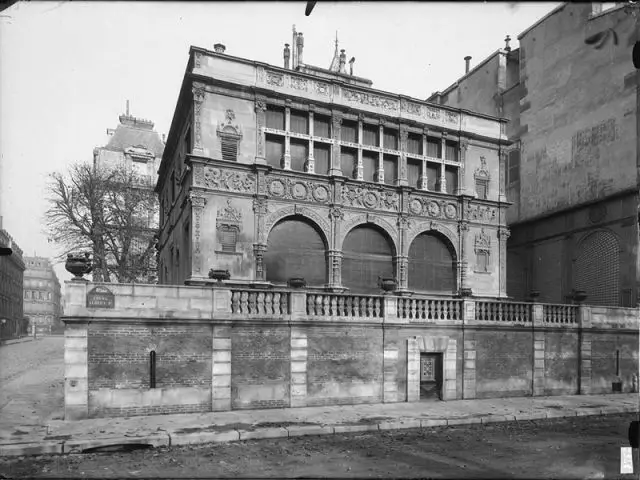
(335, 63)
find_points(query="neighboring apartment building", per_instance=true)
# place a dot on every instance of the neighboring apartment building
(136, 146)
(42, 298)
(12, 322)
(572, 171)
(300, 171)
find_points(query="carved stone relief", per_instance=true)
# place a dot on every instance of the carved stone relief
(374, 199)
(198, 99)
(276, 214)
(275, 79)
(230, 180)
(481, 213)
(387, 104)
(353, 220)
(284, 187)
(299, 83)
(432, 208)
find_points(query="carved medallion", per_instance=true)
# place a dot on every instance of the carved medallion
(299, 190)
(276, 188)
(450, 211)
(370, 199)
(434, 209)
(321, 193)
(415, 206)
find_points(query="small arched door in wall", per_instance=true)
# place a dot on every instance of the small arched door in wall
(432, 266)
(295, 248)
(367, 254)
(597, 268)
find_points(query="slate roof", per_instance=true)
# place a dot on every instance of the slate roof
(133, 132)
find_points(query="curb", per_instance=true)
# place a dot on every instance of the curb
(176, 438)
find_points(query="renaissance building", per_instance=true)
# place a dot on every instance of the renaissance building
(298, 171)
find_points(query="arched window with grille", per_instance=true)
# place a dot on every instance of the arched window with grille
(367, 255)
(432, 265)
(597, 268)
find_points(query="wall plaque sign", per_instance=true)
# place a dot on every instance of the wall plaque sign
(100, 297)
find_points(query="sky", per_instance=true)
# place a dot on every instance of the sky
(67, 69)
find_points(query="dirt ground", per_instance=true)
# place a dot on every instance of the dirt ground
(32, 381)
(580, 447)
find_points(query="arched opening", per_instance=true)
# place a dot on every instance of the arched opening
(367, 255)
(295, 248)
(432, 264)
(597, 269)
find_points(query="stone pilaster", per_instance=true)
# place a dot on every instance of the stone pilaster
(360, 167)
(221, 369)
(402, 167)
(198, 201)
(463, 262)
(258, 253)
(198, 99)
(413, 370)
(424, 180)
(286, 159)
(380, 173)
(443, 150)
(261, 122)
(390, 375)
(503, 235)
(76, 372)
(584, 319)
(336, 122)
(462, 183)
(335, 269)
(502, 197)
(469, 377)
(538, 363)
(402, 261)
(449, 391)
(310, 166)
(298, 391)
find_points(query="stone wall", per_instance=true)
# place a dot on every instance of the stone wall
(215, 353)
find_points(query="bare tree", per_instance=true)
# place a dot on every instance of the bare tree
(109, 212)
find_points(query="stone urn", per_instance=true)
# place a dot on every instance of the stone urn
(387, 284)
(219, 275)
(579, 296)
(297, 282)
(78, 265)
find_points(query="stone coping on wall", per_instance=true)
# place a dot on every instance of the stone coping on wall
(206, 304)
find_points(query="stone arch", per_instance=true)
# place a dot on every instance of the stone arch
(596, 267)
(291, 211)
(432, 263)
(433, 227)
(359, 220)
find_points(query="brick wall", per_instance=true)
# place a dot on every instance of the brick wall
(504, 363)
(260, 367)
(344, 365)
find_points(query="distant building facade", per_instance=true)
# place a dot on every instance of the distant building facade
(134, 145)
(300, 171)
(42, 300)
(12, 323)
(572, 169)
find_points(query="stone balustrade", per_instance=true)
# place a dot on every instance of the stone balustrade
(210, 303)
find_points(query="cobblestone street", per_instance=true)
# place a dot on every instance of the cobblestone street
(582, 447)
(31, 381)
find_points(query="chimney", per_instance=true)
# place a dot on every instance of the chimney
(351, 62)
(127, 108)
(287, 55)
(343, 61)
(506, 43)
(219, 48)
(467, 62)
(299, 47)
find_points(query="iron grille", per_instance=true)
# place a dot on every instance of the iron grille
(597, 269)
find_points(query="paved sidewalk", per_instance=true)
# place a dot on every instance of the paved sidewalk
(18, 340)
(168, 430)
